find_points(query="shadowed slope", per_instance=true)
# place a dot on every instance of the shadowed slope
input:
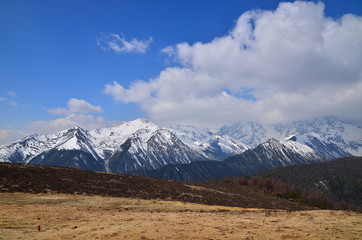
(41, 179)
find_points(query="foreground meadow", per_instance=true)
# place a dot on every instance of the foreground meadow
(60, 216)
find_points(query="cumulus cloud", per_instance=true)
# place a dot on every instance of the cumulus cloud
(85, 121)
(119, 44)
(76, 106)
(3, 99)
(273, 66)
(77, 114)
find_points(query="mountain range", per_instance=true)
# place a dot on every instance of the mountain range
(142, 147)
(268, 155)
(328, 135)
(133, 145)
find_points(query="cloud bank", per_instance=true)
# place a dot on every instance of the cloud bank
(273, 66)
(118, 44)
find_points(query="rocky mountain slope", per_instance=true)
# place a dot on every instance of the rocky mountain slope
(140, 145)
(268, 155)
(134, 145)
(328, 135)
(219, 146)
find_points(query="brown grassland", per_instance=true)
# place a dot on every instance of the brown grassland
(66, 216)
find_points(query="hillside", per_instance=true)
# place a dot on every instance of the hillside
(340, 178)
(45, 179)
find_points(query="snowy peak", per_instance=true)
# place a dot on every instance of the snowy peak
(125, 130)
(73, 138)
(141, 144)
(134, 145)
(29, 147)
(251, 133)
(288, 145)
(218, 146)
(224, 146)
(328, 130)
(280, 153)
(268, 155)
(192, 135)
(328, 149)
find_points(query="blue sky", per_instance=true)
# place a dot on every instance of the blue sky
(65, 63)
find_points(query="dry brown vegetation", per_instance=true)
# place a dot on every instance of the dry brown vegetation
(63, 216)
(43, 179)
(38, 202)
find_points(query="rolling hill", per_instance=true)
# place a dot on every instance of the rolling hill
(45, 179)
(340, 179)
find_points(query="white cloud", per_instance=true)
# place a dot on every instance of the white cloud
(3, 99)
(112, 41)
(85, 121)
(273, 66)
(12, 93)
(76, 106)
(293, 63)
(77, 114)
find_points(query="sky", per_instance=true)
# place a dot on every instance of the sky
(206, 63)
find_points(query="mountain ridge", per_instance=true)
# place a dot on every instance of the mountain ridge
(344, 137)
(138, 144)
(141, 145)
(268, 155)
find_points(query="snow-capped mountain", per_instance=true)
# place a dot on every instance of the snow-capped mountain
(218, 146)
(134, 145)
(330, 130)
(141, 145)
(280, 153)
(328, 149)
(251, 133)
(327, 135)
(26, 149)
(268, 155)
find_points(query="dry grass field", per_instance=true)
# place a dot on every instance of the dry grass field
(62, 216)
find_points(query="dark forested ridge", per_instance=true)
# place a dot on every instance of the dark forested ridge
(340, 179)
